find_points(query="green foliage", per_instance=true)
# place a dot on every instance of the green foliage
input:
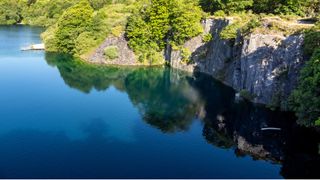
(312, 40)
(50, 39)
(10, 11)
(84, 42)
(298, 7)
(219, 13)
(238, 5)
(317, 122)
(111, 52)
(305, 100)
(251, 25)
(98, 4)
(230, 31)
(185, 54)
(229, 6)
(207, 38)
(184, 21)
(45, 12)
(160, 22)
(72, 23)
(242, 24)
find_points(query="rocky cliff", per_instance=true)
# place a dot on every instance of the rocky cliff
(263, 65)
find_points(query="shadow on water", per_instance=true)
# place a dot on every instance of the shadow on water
(171, 100)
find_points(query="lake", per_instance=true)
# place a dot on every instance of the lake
(62, 118)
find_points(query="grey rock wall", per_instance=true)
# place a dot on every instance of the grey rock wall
(126, 55)
(265, 65)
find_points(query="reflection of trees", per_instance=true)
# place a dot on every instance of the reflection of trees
(161, 101)
(164, 101)
(85, 77)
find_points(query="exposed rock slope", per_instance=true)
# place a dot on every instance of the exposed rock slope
(265, 65)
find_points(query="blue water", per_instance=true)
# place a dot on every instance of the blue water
(61, 118)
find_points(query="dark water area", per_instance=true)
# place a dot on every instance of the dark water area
(62, 118)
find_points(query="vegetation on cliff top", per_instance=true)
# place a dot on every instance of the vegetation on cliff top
(81, 28)
(305, 100)
(154, 25)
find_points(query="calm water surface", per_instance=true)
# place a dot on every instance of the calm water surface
(60, 118)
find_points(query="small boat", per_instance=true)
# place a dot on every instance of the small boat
(34, 47)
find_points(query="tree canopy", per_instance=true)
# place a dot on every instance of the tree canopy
(160, 22)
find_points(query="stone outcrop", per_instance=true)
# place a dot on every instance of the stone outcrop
(265, 65)
(126, 55)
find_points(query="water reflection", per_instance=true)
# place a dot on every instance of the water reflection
(171, 100)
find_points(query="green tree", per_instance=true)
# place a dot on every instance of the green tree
(212, 5)
(184, 21)
(306, 98)
(10, 11)
(238, 5)
(160, 22)
(98, 4)
(74, 21)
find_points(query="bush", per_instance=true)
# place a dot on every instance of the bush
(111, 52)
(219, 13)
(84, 43)
(230, 31)
(311, 40)
(318, 122)
(185, 55)
(207, 38)
(251, 25)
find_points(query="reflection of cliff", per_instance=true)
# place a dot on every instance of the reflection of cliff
(238, 125)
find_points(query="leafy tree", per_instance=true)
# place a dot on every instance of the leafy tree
(74, 21)
(10, 11)
(226, 5)
(160, 22)
(212, 5)
(184, 21)
(306, 98)
(98, 4)
(238, 5)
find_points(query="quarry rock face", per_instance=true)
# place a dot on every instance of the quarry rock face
(265, 65)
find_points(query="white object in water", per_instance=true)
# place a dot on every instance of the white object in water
(34, 47)
(271, 128)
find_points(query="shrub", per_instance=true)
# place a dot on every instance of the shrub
(111, 52)
(318, 122)
(311, 40)
(207, 38)
(185, 55)
(219, 13)
(230, 31)
(84, 43)
(251, 25)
